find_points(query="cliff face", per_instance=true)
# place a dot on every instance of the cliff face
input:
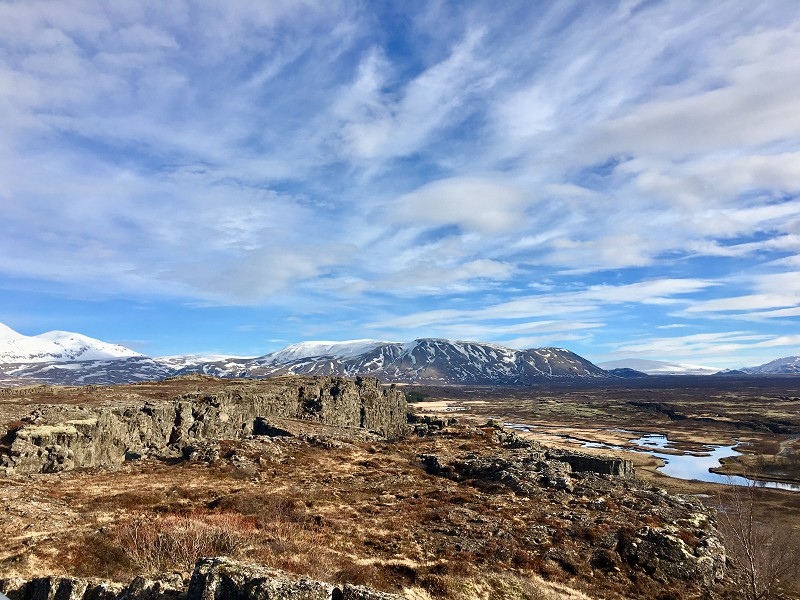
(110, 433)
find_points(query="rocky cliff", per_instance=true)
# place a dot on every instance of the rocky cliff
(106, 430)
(279, 472)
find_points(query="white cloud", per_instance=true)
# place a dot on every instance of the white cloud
(435, 277)
(776, 295)
(430, 175)
(769, 314)
(495, 331)
(475, 204)
(751, 83)
(722, 349)
(545, 305)
(654, 291)
(379, 125)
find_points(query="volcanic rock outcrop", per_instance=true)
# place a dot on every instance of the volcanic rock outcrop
(681, 541)
(112, 425)
(212, 578)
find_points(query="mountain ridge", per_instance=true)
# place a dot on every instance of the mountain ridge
(431, 360)
(65, 358)
(424, 360)
(779, 366)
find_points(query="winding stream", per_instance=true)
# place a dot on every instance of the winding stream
(688, 465)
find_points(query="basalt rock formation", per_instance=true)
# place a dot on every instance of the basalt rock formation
(682, 542)
(112, 425)
(603, 465)
(212, 578)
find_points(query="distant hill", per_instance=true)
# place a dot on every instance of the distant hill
(625, 373)
(731, 372)
(657, 367)
(789, 365)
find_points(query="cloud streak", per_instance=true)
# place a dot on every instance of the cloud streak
(417, 169)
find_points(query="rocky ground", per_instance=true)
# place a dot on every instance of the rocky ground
(452, 511)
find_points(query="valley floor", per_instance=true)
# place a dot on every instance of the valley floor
(460, 512)
(356, 512)
(761, 414)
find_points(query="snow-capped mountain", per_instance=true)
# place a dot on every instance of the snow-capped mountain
(346, 349)
(64, 358)
(789, 365)
(187, 361)
(657, 367)
(56, 346)
(426, 360)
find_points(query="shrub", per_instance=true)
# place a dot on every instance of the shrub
(175, 542)
(764, 552)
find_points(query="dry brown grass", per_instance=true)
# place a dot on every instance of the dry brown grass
(362, 513)
(175, 542)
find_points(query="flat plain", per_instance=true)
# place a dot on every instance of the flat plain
(370, 512)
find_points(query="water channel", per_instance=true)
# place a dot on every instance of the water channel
(688, 465)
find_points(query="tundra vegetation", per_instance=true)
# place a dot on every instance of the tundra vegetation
(458, 509)
(762, 414)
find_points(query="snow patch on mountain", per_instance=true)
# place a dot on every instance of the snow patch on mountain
(56, 346)
(345, 349)
(425, 360)
(6, 333)
(789, 365)
(182, 361)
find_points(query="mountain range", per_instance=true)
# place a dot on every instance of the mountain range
(426, 360)
(64, 358)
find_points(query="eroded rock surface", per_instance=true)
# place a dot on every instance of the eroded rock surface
(682, 542)
(55, 438)
(213, 579)
(454, 503)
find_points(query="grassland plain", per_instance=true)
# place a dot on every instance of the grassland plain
(367, 511)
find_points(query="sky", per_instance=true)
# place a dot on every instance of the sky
(616, 178)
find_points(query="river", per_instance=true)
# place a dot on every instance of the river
(688, 465)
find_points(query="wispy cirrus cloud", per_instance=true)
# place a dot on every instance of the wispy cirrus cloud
(409, 170)
(722, 348)
(527, 314)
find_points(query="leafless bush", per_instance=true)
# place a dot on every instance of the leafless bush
(177, 541)
(763, 551)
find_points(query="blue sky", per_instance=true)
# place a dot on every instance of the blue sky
(617, 178)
